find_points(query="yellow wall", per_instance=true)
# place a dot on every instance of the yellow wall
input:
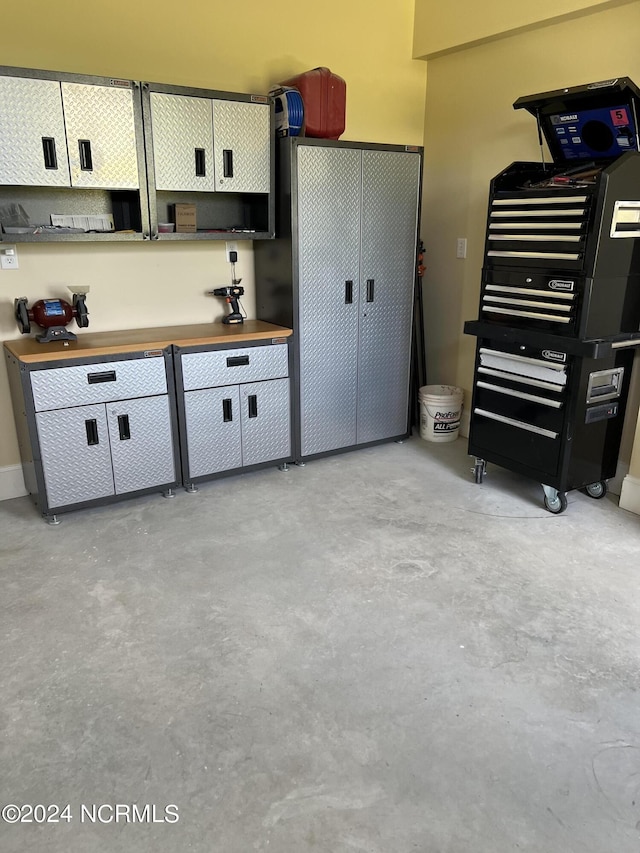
(438, 29)
(472, 133)
(247, 48)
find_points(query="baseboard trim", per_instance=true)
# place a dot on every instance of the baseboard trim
(630, 494)
(11, 482)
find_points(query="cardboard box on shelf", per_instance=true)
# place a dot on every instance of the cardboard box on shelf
(185, 218)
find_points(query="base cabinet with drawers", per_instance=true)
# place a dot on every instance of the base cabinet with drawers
(234, 408)
(96, 429)
(119, 414)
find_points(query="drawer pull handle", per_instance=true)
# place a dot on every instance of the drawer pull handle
(227, 411)
(123, 427)
(237, 360)
(105, 376)
(348, 292)
(91, 426)
(252, 400)
(49, 152)
(370, 284)
(201, 170)
(227, 161)
(86, 160)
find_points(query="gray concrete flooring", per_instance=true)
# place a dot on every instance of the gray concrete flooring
(370, 654)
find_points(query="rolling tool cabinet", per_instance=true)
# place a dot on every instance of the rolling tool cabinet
(560, 296)
(120, 414)
(341, 272)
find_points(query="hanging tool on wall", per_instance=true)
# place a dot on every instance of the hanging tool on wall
(231, 294)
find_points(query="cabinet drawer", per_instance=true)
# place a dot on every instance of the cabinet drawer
(234, 366)
(83, 384)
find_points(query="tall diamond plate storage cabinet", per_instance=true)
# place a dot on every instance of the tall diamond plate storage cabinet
(341, 272)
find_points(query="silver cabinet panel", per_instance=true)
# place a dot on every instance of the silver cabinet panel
(328, 214)
(390, 182)
(101, 136)
(141, 443)
(241, 138)
(181, 126)
(265, 421)
(31, 118)
(232, 367)
(75, 453)
(213, 430)
(59, 387)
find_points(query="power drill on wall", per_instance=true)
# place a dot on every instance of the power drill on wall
(232, 293)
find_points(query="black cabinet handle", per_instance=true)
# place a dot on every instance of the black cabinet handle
(370, 283)
(201, 170)
(227, 411)
(86, 160)
(348, 292)
(237, 360)
(91, 426)
(105, 376)
(49, 152)
(252, 400)
(227, 162)
(123, 427)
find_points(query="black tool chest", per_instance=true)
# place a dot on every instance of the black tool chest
(559, 305)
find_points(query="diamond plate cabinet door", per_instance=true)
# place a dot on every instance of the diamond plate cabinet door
(33, 148)
(182, 142)
(265, 421)
(101, 136)
(76, 455)
(241, 147)
(213, 430)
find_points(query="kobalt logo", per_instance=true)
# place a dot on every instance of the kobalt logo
(559, 284)
(572, 117)
(554, 356)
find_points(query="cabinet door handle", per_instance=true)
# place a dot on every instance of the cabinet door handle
(86, 160)
(201, 170)
(348, 292)
(49, 152)
(91, 426)
(227, 162)
(370, 284)
(123, 427)
(252, 400)
(237, 360)
(105, 376)
(227, 411)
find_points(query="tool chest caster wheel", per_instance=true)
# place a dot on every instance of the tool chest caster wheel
(479, 470)
(597, 490)
(556, 505)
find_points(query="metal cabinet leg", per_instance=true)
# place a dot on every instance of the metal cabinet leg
(190, 488)
(169, 493)
(479, 470)
(284, 466)
(53, 519)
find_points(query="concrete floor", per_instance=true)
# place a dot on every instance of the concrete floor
(371, 653)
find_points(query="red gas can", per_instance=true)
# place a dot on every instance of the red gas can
(324, 96)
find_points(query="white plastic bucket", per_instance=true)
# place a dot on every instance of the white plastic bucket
(440, 412)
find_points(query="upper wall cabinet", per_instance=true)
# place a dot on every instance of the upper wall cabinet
(71, 158)
(215, 151)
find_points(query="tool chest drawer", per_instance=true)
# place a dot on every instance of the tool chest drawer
(233, 367)
(83, 384)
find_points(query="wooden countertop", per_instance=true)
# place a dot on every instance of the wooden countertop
(27, 349)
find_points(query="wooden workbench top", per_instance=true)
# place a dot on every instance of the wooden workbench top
(89, 344)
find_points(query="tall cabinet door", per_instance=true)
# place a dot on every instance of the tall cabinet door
(101, 136)
(390, 188)
(182, 142)
(75, 453)
(328, 221)
(33, 146)
(241, 139)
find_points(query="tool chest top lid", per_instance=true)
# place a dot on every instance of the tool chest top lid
(595, 121)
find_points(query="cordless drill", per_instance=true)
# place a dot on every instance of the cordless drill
(231, 295)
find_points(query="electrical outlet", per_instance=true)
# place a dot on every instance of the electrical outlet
(8, 258)
(461, 247)
(231, 247)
